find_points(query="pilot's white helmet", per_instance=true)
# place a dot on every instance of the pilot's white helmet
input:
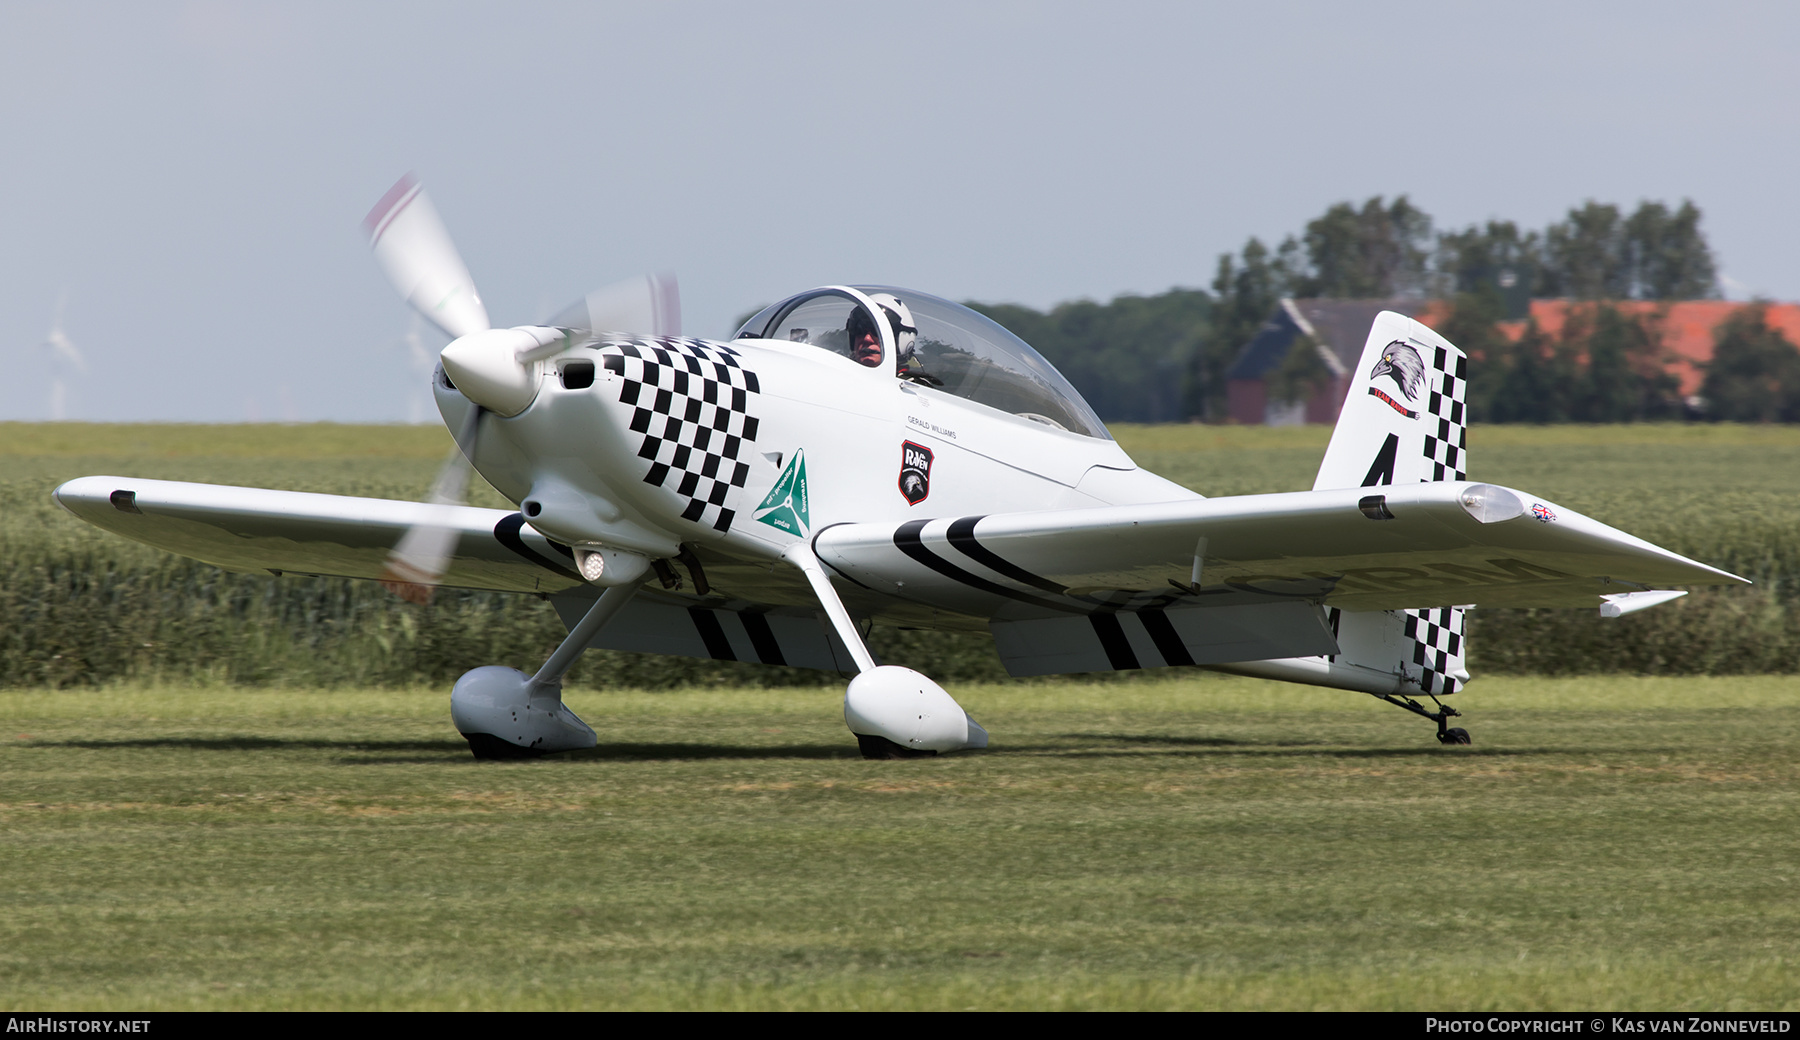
(901, 321)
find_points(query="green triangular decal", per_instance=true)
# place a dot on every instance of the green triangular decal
(785, 508)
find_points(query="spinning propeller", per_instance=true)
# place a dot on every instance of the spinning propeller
(496, 369)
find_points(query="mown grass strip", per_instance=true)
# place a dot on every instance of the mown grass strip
(1222, 843)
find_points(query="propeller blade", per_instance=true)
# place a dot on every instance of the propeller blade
(648, 305)
(416, 252)
(417, 563)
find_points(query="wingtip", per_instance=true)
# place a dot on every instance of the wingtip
(81, 489)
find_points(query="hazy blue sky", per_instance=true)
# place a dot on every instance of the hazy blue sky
(193, 175)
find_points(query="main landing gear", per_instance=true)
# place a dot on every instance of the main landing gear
(893, 712)
(504, 713)
(1446, 733)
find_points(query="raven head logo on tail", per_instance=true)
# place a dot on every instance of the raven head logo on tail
(1402, 362)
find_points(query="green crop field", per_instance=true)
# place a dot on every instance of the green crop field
(79, 608)
(233, 791)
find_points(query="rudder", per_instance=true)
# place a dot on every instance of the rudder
(1405, 417)
(1404, 421)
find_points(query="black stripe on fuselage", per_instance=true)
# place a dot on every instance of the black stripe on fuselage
(506, 532)
(1162, 633)
(907, 540)
(1113, 641)
(712, 634)
(762, 638)
(962, 535)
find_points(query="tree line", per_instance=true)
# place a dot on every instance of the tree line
(1164, 358)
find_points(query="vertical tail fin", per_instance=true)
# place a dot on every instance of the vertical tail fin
(1404, 421)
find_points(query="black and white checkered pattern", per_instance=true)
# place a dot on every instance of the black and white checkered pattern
(1437, 637)
(1447, 446)
(691, 401)
(1437, 634)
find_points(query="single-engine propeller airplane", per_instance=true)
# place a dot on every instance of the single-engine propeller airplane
(862, 455)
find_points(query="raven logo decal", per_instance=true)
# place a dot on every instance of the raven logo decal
(1403, 363)
(915, 472)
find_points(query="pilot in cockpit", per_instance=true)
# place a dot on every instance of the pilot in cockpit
(865, 338)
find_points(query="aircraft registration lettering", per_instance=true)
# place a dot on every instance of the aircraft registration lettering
(1304, 588)
(1507, 572)
(1357, 579)
(932, 427)
(1393, 577)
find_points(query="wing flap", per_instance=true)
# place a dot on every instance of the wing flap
(1411, 546)
(256, 529)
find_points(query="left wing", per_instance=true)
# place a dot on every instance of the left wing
(255, 529)
(1410, 546)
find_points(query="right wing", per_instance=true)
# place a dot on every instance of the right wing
(1369, 548)
(1223, 580)
(255, 529)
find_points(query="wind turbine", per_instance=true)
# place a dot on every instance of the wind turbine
(63, 355)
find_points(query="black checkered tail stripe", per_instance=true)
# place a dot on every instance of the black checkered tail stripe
(1437, 645)
(691, 401)
(1447, 439)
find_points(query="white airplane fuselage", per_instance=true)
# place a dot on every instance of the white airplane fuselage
(576, 459)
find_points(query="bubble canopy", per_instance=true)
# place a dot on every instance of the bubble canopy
(958, 352)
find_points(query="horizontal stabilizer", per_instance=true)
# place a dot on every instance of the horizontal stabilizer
(1623, 603)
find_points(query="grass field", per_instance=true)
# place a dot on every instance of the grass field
(1221, 843)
